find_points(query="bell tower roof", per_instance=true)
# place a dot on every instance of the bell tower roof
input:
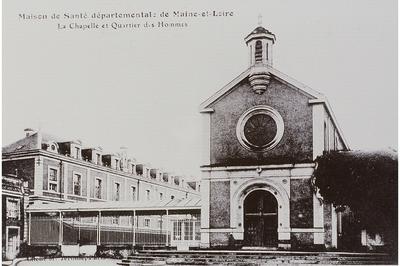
(259, 33)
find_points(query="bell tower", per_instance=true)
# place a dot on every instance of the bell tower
(260, 42)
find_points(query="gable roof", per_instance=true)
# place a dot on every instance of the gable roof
(275, 73)
(315, 97)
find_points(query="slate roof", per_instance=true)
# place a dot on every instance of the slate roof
(31, 142)
(260, 29)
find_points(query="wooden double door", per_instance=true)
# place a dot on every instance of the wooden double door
(261, 219)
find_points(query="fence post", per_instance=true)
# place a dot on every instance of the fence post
(193, 228)
(29, 227)
(98, 227)
(79, 228)
(134, 229)
(166, 228)
(60, 232)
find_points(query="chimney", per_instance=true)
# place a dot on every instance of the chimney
(123, 151)
(29, 132)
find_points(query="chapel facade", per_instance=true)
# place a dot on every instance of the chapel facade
(261, 135)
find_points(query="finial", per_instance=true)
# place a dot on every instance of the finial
(259, 20)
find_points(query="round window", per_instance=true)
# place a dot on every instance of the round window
(260, 128)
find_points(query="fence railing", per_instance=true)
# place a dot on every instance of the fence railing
(55, 230)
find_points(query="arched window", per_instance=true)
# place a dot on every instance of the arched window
(258, 52)
(326, 137)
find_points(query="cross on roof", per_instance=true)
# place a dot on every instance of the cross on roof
(259, 19)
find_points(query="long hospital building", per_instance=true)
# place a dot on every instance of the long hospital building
(261, 135)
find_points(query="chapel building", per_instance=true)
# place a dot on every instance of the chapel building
(261, 135)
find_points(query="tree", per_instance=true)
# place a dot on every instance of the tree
(366, 182)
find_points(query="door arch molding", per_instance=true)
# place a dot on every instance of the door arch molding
(281, 196)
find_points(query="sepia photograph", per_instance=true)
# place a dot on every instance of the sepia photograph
(199, 133)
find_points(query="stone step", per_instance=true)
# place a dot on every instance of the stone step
(239, 257)
(199, 261)
(205, 257)
(169, 253)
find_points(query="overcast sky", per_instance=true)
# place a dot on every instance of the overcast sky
(141, 88)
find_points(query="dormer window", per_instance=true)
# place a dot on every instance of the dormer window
(139, 169)
(77, 153)
(133, 169)
(98, 158)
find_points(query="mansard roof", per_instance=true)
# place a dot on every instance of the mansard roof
(31, 142)
(34, 142)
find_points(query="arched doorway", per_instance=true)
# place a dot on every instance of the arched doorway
(260, 219)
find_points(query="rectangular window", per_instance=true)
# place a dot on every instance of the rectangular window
(188, 226)
(116, 163)
(116, 191)
(161, 196)
(12, 208)
(148, 194)
(133, 193)
(177, 230)
(147, 222)
(97, 189)
(53, 179)
(77, 184)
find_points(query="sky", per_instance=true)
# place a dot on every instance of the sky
(141, 88)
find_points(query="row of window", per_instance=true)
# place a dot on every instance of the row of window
(111, 161)
(116, 220)
(53, 182)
